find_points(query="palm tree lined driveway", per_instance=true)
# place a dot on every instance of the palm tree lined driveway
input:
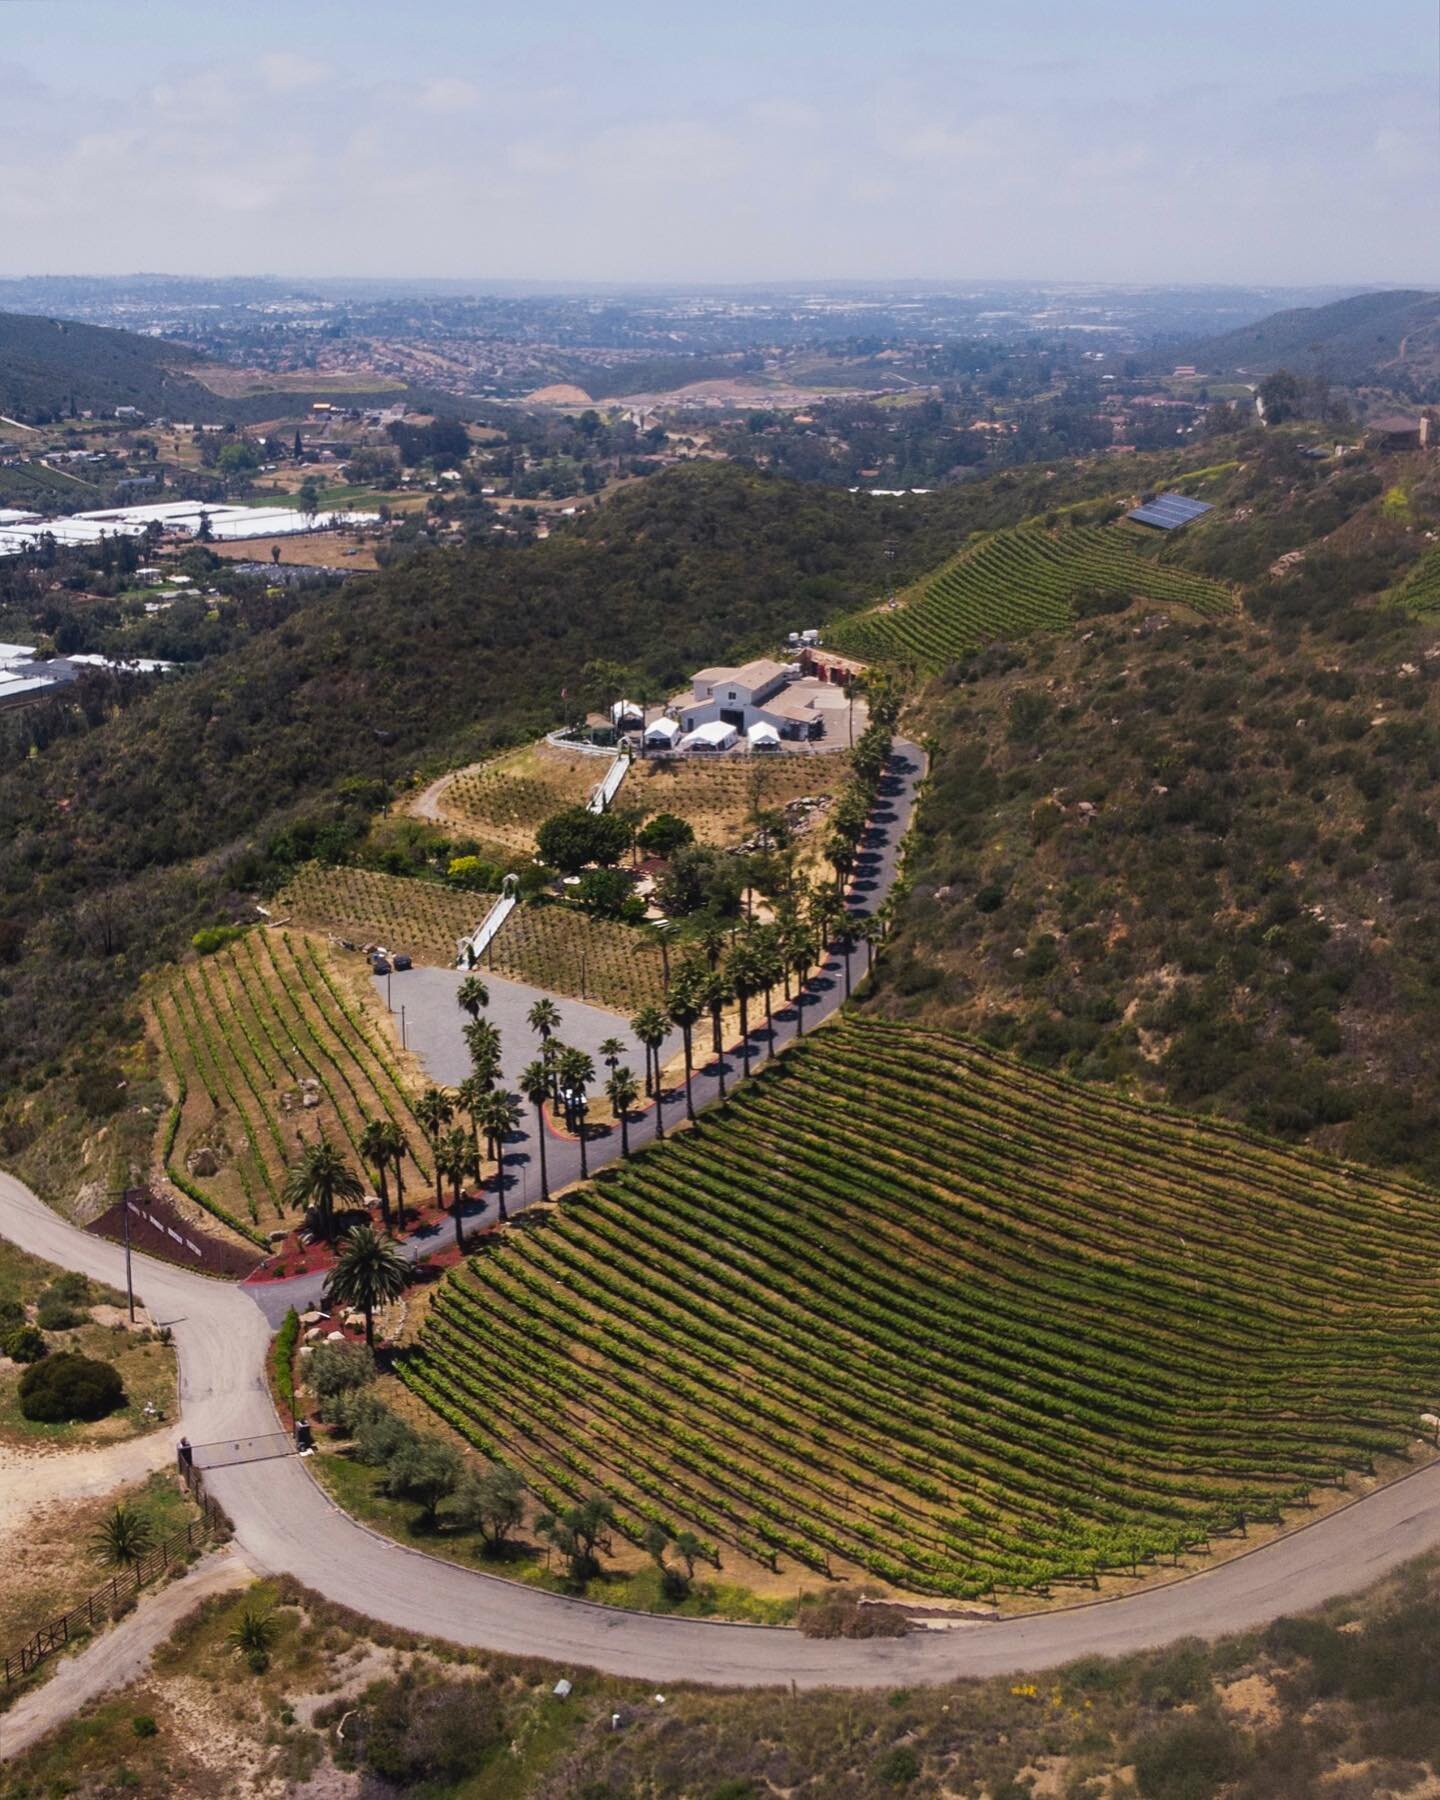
(533, 1022)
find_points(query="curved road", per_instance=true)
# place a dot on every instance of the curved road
(284, 1522)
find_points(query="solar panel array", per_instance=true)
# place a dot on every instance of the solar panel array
(1169, 510)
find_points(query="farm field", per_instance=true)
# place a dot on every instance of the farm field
(909, 1308)
(549, 946)
(506, 800)
(248, 1034)
(1014, 582)
(719, 797)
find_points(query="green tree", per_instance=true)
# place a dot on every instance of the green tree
(498, 1118)
(575, 1072)
(123, 1536)
(570, 840)
(253, 1637)
(472, 996)
(685, 1003)
(455, 1157)
(369, 1273)
(433, 1111)
(492, 1502)
(428, 1469)
(652, 1027)
(320, 1178)
(580, 1533)
(665, 834)
(623, 1091)
(381, 1142)
(746, 977)
(535, 1086)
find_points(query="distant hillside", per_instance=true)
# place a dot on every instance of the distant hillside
(1366, 336)
(49, 365)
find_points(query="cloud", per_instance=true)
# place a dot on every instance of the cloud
(449, 94)
(283, 72)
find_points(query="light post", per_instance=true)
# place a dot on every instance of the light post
(403, 1044)
(123, 1195)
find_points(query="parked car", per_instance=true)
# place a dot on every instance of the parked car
(380, 965)
(402, 962)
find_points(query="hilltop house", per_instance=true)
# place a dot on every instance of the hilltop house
(780, 695)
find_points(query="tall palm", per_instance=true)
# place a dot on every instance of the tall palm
(652, 1027)
(472, 996)
(712, 941)
(369, 1274)
(824, 911)
(320, 1178)
(685, 1003)
(872, 932)
(499, 1118)
(535, 1086)
(544, 1018)
(470, 1098)
(576, 1071)
(611, 1050)
(375, 1149)
(718, 995)
(399, 1150)
(851, 929)
(434, 1110)
(623, 1091)
(745, 977)
(482, 1040)
(771, 970)
(841, 852)
(800, 953)
(456, 1157)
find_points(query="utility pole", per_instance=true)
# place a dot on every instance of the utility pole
(403, 1044)
(129, 1283)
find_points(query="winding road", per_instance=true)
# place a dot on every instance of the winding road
(285, 1523)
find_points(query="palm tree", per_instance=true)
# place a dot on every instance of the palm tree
(376, 1150)
(369, 1274)
(482, 1040)
(745, 976)
(623, 1091)
(470, 1098)
(685, 1003)
(535, 1086)
(434, 1110)
(841, 852)
(544, 1017)
(320, 1178)
(399, 1150)
(872, 932)
(575, 1072)
(500, 1116)
(456, 1158)
(611, 1050)
(800, 954)
(123, 1536)
(472, 996)
(852, 927)
(824, 909)
(771, 971)
(712, 941)
(651, 1026)
(718, 994)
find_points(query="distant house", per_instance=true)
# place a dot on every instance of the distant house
(764, 692)
(1402, 431)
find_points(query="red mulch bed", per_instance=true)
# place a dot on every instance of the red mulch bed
(159, 1230)
(425, 1223)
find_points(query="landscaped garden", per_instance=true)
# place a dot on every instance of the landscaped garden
(1014, 582)
(908, 1307)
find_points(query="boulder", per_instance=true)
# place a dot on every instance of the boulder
(203, 1161)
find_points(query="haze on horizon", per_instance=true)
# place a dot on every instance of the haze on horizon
(1078, 140)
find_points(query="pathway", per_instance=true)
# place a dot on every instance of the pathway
(28, 1479)
(120, 1654)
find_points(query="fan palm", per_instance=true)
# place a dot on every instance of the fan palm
(800, 954)
(684, 1002)
(123, 1536)
(651, 1026)
(482, 1040)
(499, 1117)
(470, 1098)
(369, 1274)
(472, 996)
(456, 1158)
(375, 1150)
(434, 1110)
(718, 995)
(575, 1071)
(544, 1018)
(535, 1086)
(623, 1091)
(320, 1178)
(611, 1050)
(745, 977)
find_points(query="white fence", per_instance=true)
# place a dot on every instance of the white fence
(469, 950)
(610, 786)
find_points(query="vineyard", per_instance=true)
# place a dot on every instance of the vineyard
(266, 1048)
(1015, 582)
(505, 800)
(1420, 590)
(719, 798)
(910, 1308)
(369, 907)
(551, 947)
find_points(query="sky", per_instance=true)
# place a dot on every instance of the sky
(1249, 141)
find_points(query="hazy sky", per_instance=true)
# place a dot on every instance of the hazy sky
(1289, 141)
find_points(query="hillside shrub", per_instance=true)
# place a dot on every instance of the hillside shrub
(437, 1733)
(1191, 1759)
(211, 938)
(68, 1386)
(24, 1344)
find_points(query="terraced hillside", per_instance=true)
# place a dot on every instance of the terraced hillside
(718, 798)
(1012, 583)
(265, 1046)
(503, 802)
(911, 1307)
(550, 946)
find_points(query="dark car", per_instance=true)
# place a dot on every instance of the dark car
(380, 965)
(402, 962)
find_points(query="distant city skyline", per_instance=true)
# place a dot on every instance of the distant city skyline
(1249, 142)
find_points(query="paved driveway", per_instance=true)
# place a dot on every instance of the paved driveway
(434, 1024)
